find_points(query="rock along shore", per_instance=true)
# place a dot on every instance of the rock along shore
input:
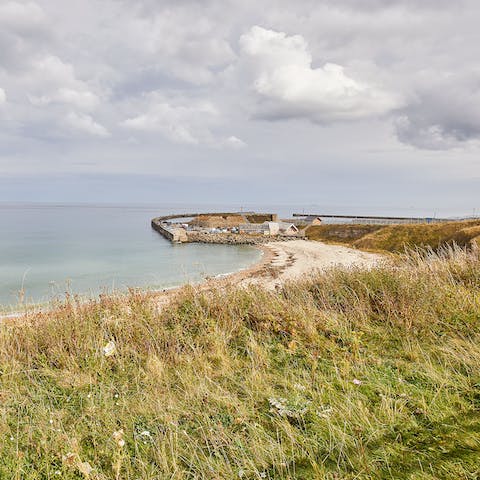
(235, 238)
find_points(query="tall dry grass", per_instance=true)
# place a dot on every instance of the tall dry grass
(349, 375)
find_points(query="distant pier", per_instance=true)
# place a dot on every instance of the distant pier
(233, 228)
(372, 219)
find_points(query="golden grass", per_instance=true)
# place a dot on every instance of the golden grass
(340, 233)
(349, 375)
(398, 238)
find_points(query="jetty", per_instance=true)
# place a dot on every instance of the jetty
(247, 228)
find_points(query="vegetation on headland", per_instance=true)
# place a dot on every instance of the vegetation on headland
(397, 238)
(349, 375)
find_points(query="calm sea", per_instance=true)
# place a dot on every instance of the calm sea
(49, 250)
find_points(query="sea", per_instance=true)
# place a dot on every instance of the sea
(48, 251)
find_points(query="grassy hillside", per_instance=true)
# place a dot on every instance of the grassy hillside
(340, 233)
(396, 238)
(352, 375)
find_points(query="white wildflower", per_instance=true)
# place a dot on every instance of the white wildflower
(85, 468)
(282, 407)
(356, 381)
(118, 437)
(110, 349)
(300, 387)
(324, 412)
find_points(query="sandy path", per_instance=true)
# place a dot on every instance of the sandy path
(298, 258)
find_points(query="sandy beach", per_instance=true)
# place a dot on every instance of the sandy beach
(285, 261)
(289, 260)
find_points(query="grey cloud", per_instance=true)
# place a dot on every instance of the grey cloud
(443, 115)
(382, 4)
(24, 18)
(24, 30)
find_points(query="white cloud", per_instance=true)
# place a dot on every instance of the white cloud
(289, 87)
(180, 120)
(53, 81)
(3, 96)
(21, 16)
(166, 42)
(84, 123)
(100, 60)
(83, 100)
(235, 142)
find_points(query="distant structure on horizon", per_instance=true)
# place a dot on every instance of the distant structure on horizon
(370, 219)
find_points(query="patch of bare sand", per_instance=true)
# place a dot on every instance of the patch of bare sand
(299, 258)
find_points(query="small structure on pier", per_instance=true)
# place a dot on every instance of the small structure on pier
(287, 228)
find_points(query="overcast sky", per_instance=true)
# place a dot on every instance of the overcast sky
(331, 102)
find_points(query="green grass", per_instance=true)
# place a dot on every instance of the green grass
(397, 238)
(351, 375)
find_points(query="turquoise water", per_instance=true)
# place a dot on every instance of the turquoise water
(49, 250)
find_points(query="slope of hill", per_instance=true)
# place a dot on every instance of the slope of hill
(396, 238)
(354, 374)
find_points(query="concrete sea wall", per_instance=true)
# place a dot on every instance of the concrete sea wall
(176, 235)
(180, 235)
(235, 238)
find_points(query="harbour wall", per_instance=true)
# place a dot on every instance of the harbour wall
(180, 235)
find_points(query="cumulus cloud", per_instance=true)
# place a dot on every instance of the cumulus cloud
(180, 120)
(165, 42)
(290, 87)
(24, 29)
(75, 71)
(84, 100)
(21, 16)
(83, 123)
(443, 114)
(53, 81)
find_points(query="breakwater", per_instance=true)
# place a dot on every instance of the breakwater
(235, 238)
(177, 233)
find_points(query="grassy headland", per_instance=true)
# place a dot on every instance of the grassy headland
(396, 238)
(350, 375)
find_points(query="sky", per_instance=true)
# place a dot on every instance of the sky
(364, 105)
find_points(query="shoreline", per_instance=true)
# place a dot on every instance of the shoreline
(208, 281)
(279, 263)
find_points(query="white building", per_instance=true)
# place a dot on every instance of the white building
(287, 228)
